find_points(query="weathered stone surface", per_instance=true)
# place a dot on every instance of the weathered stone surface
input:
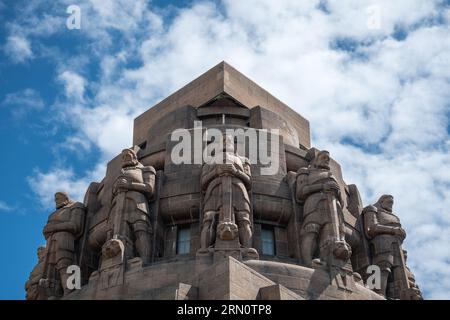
(186, 292)
(309, 283)
(223, 78)
(277, 292)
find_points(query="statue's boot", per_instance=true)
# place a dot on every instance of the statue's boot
(142, 244)
(308, 248)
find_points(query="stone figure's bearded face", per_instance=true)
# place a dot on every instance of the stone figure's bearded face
(112, 248)
(61, 199)
(323, 160)
(228, 144)
(129, 158)
(41, 253)
(387, 203)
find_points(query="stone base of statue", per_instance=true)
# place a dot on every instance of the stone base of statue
(115, 254)
(227, 248)
(337, 264)
(226, 245)
(224, 249)
(49, 289)
(225, 279)
(232, 248)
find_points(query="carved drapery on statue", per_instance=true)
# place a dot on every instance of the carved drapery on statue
(226, 225)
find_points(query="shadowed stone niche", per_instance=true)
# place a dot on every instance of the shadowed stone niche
(221, 196)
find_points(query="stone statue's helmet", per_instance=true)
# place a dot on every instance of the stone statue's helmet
(386, 202)
(129, 158)
(321, 160)
(61, 199)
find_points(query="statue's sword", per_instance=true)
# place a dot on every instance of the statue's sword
(335, 221)
(43, 289)
(47, 254)
(119, 219)
(404, 294)
(341, 250)
(226, 211)
(227, 206)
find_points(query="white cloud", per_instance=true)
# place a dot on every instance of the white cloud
(28, 98)
(120, 15)
(5, 207)
(23, 101)
(45, 185)
(387, 96)
(77, 144)
(18, 49)
(74, 84)
(108, 128)
(39, 18)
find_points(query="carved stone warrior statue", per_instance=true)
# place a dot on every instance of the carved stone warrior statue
(416, 294)
(63, 229)
(129, 218)
(226, 204)
(32, 285)
(386, 236)
(322, 227)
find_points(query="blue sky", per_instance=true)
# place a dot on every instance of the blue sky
(372, 77)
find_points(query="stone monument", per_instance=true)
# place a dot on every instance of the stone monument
(221, 196)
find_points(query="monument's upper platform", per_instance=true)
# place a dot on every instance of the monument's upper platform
(224, 79)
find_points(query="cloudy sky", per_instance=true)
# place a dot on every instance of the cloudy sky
(372, 77)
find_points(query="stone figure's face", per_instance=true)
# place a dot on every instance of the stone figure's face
(387, 204)
(41, 253)
(323, 160)
(405, 254)
(61, 200)
(111, 249)
(128, 159)
(228, 144)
